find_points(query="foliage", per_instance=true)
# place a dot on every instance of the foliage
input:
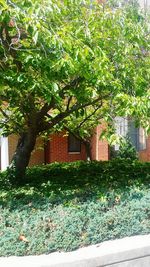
(64, 64)
(69, 205)
(126, 150)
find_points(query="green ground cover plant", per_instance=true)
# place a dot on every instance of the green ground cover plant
(64, 206)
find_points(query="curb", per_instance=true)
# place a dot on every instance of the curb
(126, 252)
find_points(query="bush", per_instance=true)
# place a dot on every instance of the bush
(126, 150)
(94, 172)
(64, 206)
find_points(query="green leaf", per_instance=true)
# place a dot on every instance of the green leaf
(55, 87)
(20, 78)
(3, 3)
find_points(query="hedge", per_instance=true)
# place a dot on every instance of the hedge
(64, 206)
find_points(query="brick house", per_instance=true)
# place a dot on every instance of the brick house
(60, 148)
(64, 148)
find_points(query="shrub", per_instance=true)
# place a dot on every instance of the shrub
(126, 150)
(64, 206)
(94, 172)
(78, 174)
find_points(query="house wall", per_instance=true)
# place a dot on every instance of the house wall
(144, 155)
(93, 145)
(12, 143)
(57, 150)
(100, 148)
(103, 147)
(37, 156)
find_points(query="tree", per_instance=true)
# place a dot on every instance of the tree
(68, 62)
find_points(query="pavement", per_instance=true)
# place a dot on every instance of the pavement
(126, 252)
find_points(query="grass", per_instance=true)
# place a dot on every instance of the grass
(67, 206)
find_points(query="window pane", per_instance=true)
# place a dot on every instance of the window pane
(133, 134)
(74, 145)
(126, 127)
(121, 128)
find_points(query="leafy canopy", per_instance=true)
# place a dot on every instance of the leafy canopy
(67, 63)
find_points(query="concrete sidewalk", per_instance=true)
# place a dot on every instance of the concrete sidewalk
(126, 252)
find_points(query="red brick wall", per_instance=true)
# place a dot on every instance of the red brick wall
(144, 155)
(100, 148)
(103, 147)
(93, 145)
(58, 150)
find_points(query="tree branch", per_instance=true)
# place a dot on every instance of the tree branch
(7, 44)
(69, 100)
(44, 110)
(3, 98)
(73, 84)
(3, 113)
(47, 107)
(89, 116)
(61, 116)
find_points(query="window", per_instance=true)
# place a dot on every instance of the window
(137, 136)
(133, 134)
(121, 125)
(74, 145)
(126, 127)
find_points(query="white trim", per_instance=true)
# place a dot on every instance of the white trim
(4, 153)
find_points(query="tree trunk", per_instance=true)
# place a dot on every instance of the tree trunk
(88, 150)
(20, 160)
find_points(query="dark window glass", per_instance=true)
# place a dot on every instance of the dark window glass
(74, 145)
